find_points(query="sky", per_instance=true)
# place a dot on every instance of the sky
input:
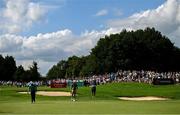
(47, 31)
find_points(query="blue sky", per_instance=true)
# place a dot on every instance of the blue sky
(79, 15)
(47, 31)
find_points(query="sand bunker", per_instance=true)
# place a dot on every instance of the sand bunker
(148, 98)
(50, 93)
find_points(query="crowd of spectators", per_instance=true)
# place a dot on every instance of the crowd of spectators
(21, 83)
(125, 76)
(120, 76)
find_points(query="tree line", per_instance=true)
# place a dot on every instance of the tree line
(9, 70)
(144, 49)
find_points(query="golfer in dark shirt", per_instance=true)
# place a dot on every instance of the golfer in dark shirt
(33, 89)
(74, 88)
(93, 87)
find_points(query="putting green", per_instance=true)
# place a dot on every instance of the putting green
(92, 107)
(105, 102)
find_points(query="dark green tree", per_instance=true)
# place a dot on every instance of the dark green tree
(142, 49)
(57, 71)
(89, 67)
(9, 66)
(74, 65)
(20, 74)
(2, 74)
(33, 71)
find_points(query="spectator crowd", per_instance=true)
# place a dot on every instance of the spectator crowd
(120, 76)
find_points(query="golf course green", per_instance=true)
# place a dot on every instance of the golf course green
(105, 102)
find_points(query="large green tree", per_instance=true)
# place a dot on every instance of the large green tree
(141, 49)
(20, 74)
(57, 71)
(33, 72)
(7, 68)
(90, 66)
(1, 67)
(9, 71)
(74, 65)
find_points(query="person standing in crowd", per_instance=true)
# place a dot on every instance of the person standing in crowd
(74, 88)
(93, 87)
(33, 89)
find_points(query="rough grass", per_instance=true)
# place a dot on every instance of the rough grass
(106, 101)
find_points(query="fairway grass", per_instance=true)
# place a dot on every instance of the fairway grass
(92, 107)
(106, 101)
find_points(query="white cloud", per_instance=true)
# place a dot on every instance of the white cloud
(43, 66)
(35, 11)
(165, 18)
(48, 48)
(18, 15)
(10, 43)
(102, 12)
